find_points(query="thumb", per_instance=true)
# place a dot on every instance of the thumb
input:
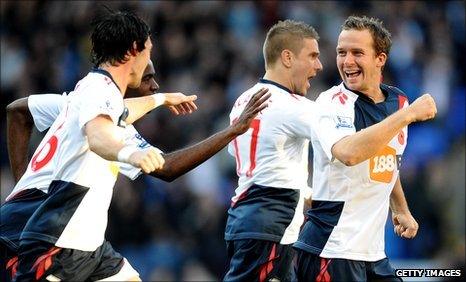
(191, 98)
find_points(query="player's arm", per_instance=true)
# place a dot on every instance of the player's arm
(39, 110)
(103, 140)
(184, 160)
(19, 128)
(362, 145)
(178, 103)
(403, 221)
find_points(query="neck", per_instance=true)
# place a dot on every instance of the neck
(375, 93)
(278, 77)
(120, 75)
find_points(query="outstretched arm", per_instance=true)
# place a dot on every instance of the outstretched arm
(362, 145)
(19, 128)
(184, 160)
(178, 103)
(405, 224)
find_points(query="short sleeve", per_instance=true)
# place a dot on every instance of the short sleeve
(330, 127)
(45, 108)
(101, 101)
(321, 123)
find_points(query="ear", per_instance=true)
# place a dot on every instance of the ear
(381, 60)
(286, 57)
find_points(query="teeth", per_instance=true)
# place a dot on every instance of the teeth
(351, 74)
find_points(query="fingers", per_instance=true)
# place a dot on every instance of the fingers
(150, 161)
(173, 110)
(405, 226)
(425, 107)
(409, 233)
(256, 103)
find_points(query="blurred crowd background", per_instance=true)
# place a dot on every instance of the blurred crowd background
(174, 231)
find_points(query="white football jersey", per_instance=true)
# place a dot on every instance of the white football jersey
(273, 154)
(350, 203)
(74, 215)
(44, 109)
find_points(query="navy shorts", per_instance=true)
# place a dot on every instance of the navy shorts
(311, 267)
(37, 260)
(14, 214)
(259, 260)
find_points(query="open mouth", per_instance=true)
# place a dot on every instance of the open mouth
(352, 74)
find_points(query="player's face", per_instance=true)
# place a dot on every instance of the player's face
(140, 63)
(305, 66)
(148, 84)
(359, 66)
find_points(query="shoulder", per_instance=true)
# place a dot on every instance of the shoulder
(328, 94)
(338, 95)
(394, 91)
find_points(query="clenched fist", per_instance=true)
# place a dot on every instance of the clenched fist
(423, 108)
(147, 159)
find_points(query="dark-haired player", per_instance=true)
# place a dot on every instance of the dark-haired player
(64, 238)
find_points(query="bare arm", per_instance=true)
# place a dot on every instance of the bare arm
(405, 224)
(104, 141)
(362, 145)
(102, 137)
(184, 160)
(19, 129)
(178, 103)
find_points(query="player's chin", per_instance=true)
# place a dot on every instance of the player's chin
(134, 84)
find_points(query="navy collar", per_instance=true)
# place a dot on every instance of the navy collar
(266, 81)
(365, 97)
(106, 73)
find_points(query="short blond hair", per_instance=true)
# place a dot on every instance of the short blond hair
(283, 35)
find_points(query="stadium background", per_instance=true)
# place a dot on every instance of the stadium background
(174, 231)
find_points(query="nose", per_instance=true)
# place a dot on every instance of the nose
(349, 59)
(319, 65)
(154, 86)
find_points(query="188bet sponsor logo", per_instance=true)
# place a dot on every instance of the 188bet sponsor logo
(383, 165)
(428, 272)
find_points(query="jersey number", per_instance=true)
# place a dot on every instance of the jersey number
(45, 154)
(51, 147)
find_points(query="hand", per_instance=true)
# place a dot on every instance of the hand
(423, 108)
(405, 225)
(178, 103)
(147, 159)
(253, 107)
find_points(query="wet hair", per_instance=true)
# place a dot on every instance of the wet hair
(380, 35)
(113, 35)
(283, 35)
